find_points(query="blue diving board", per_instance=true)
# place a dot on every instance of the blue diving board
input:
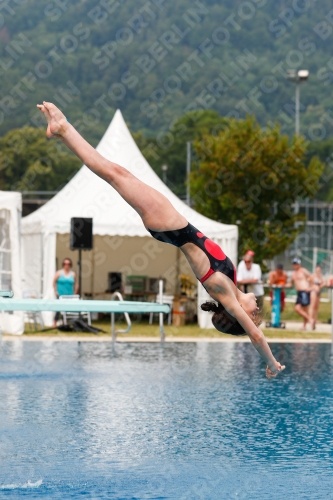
(79, 306)
(70, 305)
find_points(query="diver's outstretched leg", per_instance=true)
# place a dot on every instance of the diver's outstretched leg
(155, 209)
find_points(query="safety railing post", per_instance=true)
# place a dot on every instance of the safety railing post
(160, 300)
(117, 295)
(113, 331)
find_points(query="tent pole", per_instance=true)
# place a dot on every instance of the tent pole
(92, 277)
(177, 287)
(160, 300)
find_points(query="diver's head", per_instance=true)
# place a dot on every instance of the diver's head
(225, 323)
(248, 302)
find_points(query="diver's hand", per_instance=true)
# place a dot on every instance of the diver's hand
(270, 373)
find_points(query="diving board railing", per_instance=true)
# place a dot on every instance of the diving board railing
(106, 306)
(113, 319)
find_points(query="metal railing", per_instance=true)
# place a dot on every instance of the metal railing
(117, 295)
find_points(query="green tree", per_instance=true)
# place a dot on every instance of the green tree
(169, 147)
(251, 177)
(31, 162)
(324, 151)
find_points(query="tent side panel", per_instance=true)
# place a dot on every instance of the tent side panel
(13, 323)
(128, 255)
(48, 272)
(32, 263)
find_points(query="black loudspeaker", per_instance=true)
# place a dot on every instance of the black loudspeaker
(114, 282)
(81, 233)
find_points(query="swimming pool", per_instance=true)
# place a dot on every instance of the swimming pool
(179, 421)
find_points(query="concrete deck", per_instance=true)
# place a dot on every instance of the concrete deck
(104, 338)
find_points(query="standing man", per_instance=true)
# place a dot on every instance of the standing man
(278, 278)
(242, 267)
(249, 275)
(300, 278)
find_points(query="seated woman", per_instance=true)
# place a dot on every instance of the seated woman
(64, 283)
(235, 313)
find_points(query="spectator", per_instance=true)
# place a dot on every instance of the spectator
(249, 274)
(318, 282)
(64, 283)
(242, 267)
(278, 278)
(300, 278)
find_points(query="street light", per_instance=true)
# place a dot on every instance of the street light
(297, 77)
(164, 170)
(188, 172)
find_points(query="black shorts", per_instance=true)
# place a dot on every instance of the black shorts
(303, 298)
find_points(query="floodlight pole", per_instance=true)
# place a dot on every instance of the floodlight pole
(188, 172)
(297, 77)
(297, 106)
(164, 170)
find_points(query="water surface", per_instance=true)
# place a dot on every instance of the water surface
(183, 421)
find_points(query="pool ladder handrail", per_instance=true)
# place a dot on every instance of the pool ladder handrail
(128, 319)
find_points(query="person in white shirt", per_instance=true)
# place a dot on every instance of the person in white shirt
(249, 275)
(242, 267)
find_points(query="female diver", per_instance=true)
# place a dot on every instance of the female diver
(235, 312)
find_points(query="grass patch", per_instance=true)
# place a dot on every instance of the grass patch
(143, 329)
(292, 334)
(289, 313)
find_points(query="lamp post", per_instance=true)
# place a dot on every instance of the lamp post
(188, 172)
(297, 77)
(164, 170)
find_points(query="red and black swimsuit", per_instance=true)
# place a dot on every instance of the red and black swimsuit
(189, 234)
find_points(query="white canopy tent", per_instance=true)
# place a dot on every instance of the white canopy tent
(10, 259)
(121, 242)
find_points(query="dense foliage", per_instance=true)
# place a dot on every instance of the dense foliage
(156, 60)
(324, 151)
(170, 148)
(251, 177)
(31, 162)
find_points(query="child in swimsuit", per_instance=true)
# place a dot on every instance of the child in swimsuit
(234, 312)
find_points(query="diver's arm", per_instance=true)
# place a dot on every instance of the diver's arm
(257, 338)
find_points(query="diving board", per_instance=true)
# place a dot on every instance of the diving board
(69, 305)
(106, 306)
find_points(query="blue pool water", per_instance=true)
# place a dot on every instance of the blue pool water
(183, 421)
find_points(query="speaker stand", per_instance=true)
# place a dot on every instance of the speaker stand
(80, 273)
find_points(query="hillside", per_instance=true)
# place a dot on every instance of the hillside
(157, 59)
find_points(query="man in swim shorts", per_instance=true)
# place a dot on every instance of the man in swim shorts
(300, 278)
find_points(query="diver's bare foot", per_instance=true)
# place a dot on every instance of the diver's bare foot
(313, 324)
(56, 120)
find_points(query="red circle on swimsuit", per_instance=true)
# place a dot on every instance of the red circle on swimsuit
(214, 250)
(200, 235)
